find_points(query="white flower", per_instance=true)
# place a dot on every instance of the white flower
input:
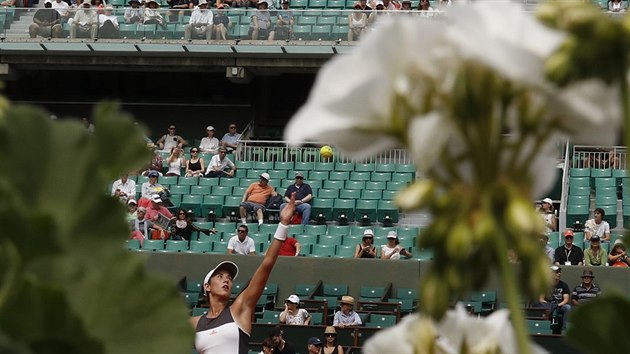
(417, 334)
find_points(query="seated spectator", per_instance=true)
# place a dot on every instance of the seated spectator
(279, 344)
(124, 188)
(230, 139)
(170, 140)
(255, 198)
(568, 254)
(303, 197)
(62, 8)
(366, 248)
(549, 251)
(346, 317)
(314, 345)
(330, 342)
(152, 15)
(548, 214)
(155, 165)
(595, 255)
(260, 25)
(134, 14)
(241, 243)
(284, 24)
(357, 23)
(87, 123)
(424, 5)
(46, 22)
(617, 6)
(8, 3)
(221, 24)
(291, 248)
(267, 346)
(142, 228)
(85, 22)
(209, 143)
(175, 162)
(98, 5)
(184, 227)
(156, 208)
(597, 226)
(599, 159)
(406, 5)
(149, 189)
(132, 209)
(618, 256)
(108, 24)
(392, 250)
(557, 301)
(200, 23)
(178, 9)
(292, 315)
(195, 165)
(586, 291)
(221, 165)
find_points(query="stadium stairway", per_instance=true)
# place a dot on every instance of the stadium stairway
(19, 28)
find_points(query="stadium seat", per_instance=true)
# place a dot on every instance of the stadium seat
(318, 175)
(371, 194)
(336, 4)
(381, 321)
(330, 240)
(350, 184)
(337, 290)
(229, 182)
(188, 181)
(219, 247)
(231, 207)
(322, 207)
(306, 239)
(228, 228)
(193, 203)
(579, 200)
(208, 181)
(366, 208)
(271, 228)
(345, 251)
(338, 230)
(539, 327)
(339, 166)
(324, 166)
(200, 246)
(350, 240)
(357, 230)
(343, 207)
(316, 318)
(318, 250)
(389, 195)
(152, 245)
(315, 229)
(304, 290)
(132, 245)
(360, 176)
(304, 166)
(221, 190)
(372, 293)
(350, 193)
(321, 32)
(577, 213)
(203, 190)
(381, 176)
(381, 231)
(177, 189)
(579, 172)
(176, 246)
(611, 214)
(283, 165)
(263, 165)
(364, 167)
(395, 186)
(339, 175)
(488, 300)
(167, 180)
(299, 4)
(293, 229)
(402, 177)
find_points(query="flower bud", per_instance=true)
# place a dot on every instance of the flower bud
(549, 13)
(518, 217)
(417, 195)
(459, 242)
(434, 295)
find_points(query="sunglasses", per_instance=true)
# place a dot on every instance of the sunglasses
(569, 237)
(242, 231)
(171, 128)
(232, 127)
(181, 214)
(193, 151)
(330, 335)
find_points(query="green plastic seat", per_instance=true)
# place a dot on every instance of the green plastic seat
(365, 208)
(344, 251)
(212, 203)
(321, 32)
(229, 182)
(338, 230)
(360, 176)
(381, 231)
(246, 182)
(324, 166)
(357, 230)
(343, 207)
(219, 247)
(340, 166)
(579, 182)
(601, 200)
(167, 180)
(178, 189)
(395, 186)
(600, 172)
(385, 167)
(339, 175)
(283, 165)
(322, 207)
(371, 194)
(579, 172)
(200, 246)
(293, 229)
(299, 4)
(329, 240)
(605, 182)
(364, 167)
(315, 229)
(193, 203)
(132, 245)
(584, 191)
(611, 214)
(318, 175)
(152, 245)
(176, 246)
(328, 193)
(402, 177)
(263, 165)
(337, 290)
(381, 176)
(306, 239)
(350, 240)
(188, 181)
(333, 184)
(578, 212)
(357, 185)
(255, 173)
(387, 210)
(389, 195)
(208, 181)
(579, 199)
(381, 321)
(304, 166)
(372, 292)
(222, 190)
(231, 206)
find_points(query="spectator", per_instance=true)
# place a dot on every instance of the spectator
(260, 25)
(149, 189)
(595, 255)
(156, 208)
(586, 291)
(391, 5)
(597, 226)
(170, 140)
(255, 198)
(184, 227)
(267, 346)
(108, 24)
(132, 209)
(557, 302)
(346, 317)
(152, 16)
(175, 162)
(155, 165)
(230, 139)
(200, 23)
(89, 126)
(392, 250)
(424, 5)
(210, 143)
(617, 6)
(221, 165)
(599, 159)
(8, 3)
(366, 248)
(284, 24)
(549, 251)
(363, 6)
(46, 22)
(443, 4)
(241, 243)
(195, 165)
(618, 256)
(124, 188)
(142, 228)
(303, 197)
(220, 25)
(62, 8)
(291, 247)
(134, 14)
(406, 5)
(330, 342)
(357, 23)
(374, 14)
(85, 22)
(549, 215)
(178, 9)
(280, 346)
(314, 345)
(568, 254)
(292, 315)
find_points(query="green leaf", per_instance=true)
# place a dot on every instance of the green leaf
(598, 326)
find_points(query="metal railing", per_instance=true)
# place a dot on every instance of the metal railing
(613, 157)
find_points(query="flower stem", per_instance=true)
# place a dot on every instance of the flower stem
(510, 292)
(625, 104)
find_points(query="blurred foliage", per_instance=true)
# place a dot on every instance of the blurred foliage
(67, 285)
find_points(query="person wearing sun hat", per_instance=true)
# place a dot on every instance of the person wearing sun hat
(153, 16)
(393, 250)
(225, 327)
(330, 342)
(134, 13)
(586, 291)
(366, 248)
(255, 197)
(357, 23)
(346, 316)
(292, 315)
(85, 21)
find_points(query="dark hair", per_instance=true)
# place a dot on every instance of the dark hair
(601, 211)
(267, 343)
(276, 331)
(243, 226)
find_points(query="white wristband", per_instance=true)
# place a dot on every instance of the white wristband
(281, 232)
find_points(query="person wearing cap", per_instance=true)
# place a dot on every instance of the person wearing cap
(62, 8)
(284, 24)
(156, 208)
(393, 250)
(586, 291)
(152, 16)
(124, 188)
(330, 342)
(132, 209)
(260, 25)
(568, 254)
(221, 23)
(278, 343)
(85, 21)
(357, 23)
(231, 325)
(195, 166)
(597, 226)
(292, 314)
(314, 345)
(303, 196)
(142, 228)
(595, 255)
(241, 243)
(255, 197)
(220, 165)
(150, 188)
(209, 144)
(366, 248)
(108, 24)
(171, 139)
(134, 13)
(46, 22)
(618, 256)
(230, 139)
(200, 24)
(346, 317)
(175, 162)
(548, 215)
(557, 300)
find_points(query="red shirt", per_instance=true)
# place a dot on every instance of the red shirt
(153, 213)
(288, 247)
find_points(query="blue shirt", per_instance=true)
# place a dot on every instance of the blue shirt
(300, 193)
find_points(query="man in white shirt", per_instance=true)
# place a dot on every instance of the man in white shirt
(108, 24)
(200, 22)
(62, 8)
(210, 143)
(220, 165)
(85, 21)
(134, 14)
(597, 226)
(241, 243)
(124, 188)
(230, 139)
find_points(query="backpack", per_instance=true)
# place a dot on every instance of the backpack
(274, 202)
